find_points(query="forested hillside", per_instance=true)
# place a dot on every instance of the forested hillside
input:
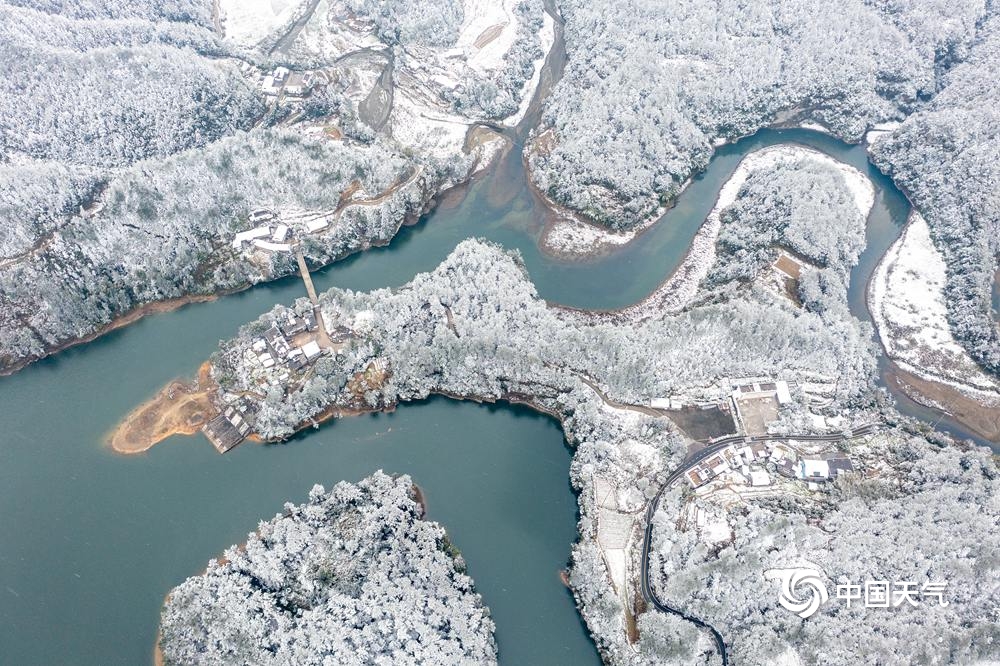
(167, 226)
(353, 576)
(421, 22)
(134, 143)
(650, 87)
(930, 519)
(503, 338)
(800, 205)
(110, 91)
(947, 158)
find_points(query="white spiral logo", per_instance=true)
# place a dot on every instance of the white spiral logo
(791, 580)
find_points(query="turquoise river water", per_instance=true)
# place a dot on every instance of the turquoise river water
(93, 541)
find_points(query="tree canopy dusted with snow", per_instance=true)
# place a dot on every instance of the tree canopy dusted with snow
(353, 576)
(88, 270)
(649, 86)
(193, 11)
(414, 22)
(930, 519)
(108, 93)
(801, 205)
(947, 158)
(502, 339)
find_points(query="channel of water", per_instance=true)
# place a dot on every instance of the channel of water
(93, 541)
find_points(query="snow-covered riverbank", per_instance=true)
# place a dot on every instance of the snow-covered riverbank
(907, 303)
(681, 287)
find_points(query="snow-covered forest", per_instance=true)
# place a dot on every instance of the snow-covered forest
(947, 159)
(930, 517)
(804, 206)
(424, 22)
(650, 87)
(71, 274)
(135, 140)
(476, 327)
(353, 576)
(103, 91)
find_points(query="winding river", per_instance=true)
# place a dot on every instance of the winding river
(93, 541)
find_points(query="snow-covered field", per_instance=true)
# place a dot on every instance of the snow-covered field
(570, 237)
(908, 306)
(879, 131)
(247, 22)
(327, 39)
(487, 33)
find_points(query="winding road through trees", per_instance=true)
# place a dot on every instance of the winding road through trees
(646, 587)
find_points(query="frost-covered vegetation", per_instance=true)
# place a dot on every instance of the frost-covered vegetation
(800, 205)
(476, 327)
(92, 270)
(928, 516)
(188, 11)
(416, 22)
(132, 148)
(110, 91)
(649, 87)
(353, 576)
(947, 158)
(497, 93)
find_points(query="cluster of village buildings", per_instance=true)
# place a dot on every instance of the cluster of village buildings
(275, 347)
(284, 81)
(284, 348)
(753, 403)
(746, 464)
(273, 235)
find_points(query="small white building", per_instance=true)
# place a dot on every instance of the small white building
(300, 85)
(313, 226)
(783, 394)
(273, 84)
(250, 236)
(272, 247)
(812, 468)
(759, 478)
(311, 349)
(280, 233)
(260, 215)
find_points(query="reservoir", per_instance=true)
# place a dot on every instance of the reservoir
(93, 541)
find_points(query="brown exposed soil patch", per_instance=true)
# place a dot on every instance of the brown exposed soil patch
(543, 145)
(981, 419)
(564, 577)
(488, 35)
(788, 266)
(178, 409)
